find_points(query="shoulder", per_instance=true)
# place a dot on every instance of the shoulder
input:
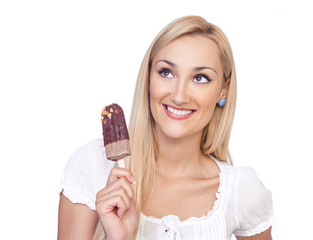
(250, 201)
(85, 173)
(89, 155)
(244, 185)
(242, 181)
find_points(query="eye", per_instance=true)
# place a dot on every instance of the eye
(166, 73)
(201, 78)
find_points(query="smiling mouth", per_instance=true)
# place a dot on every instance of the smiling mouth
(178, 113)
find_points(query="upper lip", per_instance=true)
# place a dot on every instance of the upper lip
(179, 109)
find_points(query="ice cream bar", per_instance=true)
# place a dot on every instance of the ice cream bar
(115, 134)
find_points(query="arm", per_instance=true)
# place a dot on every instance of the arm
(76, 221)
(266, 235)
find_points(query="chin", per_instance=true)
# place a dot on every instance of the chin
(175, 132)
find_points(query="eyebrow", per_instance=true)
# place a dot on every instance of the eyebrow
(167, 62)
(195, 69)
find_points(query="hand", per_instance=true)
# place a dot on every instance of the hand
(115, 206)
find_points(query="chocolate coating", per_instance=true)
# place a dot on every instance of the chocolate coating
(114, 130)
(117, 150)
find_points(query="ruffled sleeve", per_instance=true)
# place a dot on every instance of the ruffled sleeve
(86, 173)
(254, 204)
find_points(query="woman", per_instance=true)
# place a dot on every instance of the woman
(186, 187)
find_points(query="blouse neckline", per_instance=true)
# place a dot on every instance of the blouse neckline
(216, 206)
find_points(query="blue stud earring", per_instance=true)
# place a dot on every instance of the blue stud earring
(222, 102)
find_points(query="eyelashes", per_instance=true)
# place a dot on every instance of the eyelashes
(166, 73)
(199, 78)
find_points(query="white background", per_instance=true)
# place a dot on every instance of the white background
(62, 61)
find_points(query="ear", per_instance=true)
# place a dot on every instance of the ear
(225, 89)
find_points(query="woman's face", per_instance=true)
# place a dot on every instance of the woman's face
(186, 83)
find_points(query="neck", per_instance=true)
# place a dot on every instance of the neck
(179, 157)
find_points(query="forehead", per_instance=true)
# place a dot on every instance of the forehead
(192, 51)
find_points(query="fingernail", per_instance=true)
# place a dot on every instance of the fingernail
(133, 180)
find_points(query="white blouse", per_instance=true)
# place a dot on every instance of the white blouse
(243, 206)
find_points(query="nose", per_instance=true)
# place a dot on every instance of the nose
(180, 93)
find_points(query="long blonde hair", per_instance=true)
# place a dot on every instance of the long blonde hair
(216, 134)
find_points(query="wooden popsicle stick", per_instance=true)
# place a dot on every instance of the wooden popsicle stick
(121, 163)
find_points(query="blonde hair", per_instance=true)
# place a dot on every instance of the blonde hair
(216, 134)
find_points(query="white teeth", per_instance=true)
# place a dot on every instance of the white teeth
(178, 112)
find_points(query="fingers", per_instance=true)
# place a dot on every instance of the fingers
(117, 200)
(118, 195)
(117, 173)
(121, 184)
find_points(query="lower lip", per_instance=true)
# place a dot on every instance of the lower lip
(177, 117)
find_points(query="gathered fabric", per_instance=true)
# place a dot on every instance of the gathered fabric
(171, 230)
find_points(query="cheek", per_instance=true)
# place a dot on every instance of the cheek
(208, 98)
(208, 102)
(158, 90)
(156, 95)
(209, 109)
(154, 92)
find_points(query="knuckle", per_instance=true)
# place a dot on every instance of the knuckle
(100, 193)
(97, 195)
(114, 169)
(98, 204)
